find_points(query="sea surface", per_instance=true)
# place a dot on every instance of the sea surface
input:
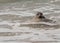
(14, 25)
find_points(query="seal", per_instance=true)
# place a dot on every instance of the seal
(40, 17)
(39, 20)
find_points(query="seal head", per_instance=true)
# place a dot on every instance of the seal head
(40, 15)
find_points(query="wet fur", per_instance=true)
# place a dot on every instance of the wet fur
(40, 17)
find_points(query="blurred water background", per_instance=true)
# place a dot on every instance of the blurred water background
(15, 12)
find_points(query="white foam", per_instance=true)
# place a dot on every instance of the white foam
(27, 23)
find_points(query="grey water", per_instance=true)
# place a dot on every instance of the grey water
(13, 13)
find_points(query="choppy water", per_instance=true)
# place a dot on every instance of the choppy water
(13, 13)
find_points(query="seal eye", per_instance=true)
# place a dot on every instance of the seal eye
(40, 14)
(37, 14)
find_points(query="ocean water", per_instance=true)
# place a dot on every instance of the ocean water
(14, 27)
